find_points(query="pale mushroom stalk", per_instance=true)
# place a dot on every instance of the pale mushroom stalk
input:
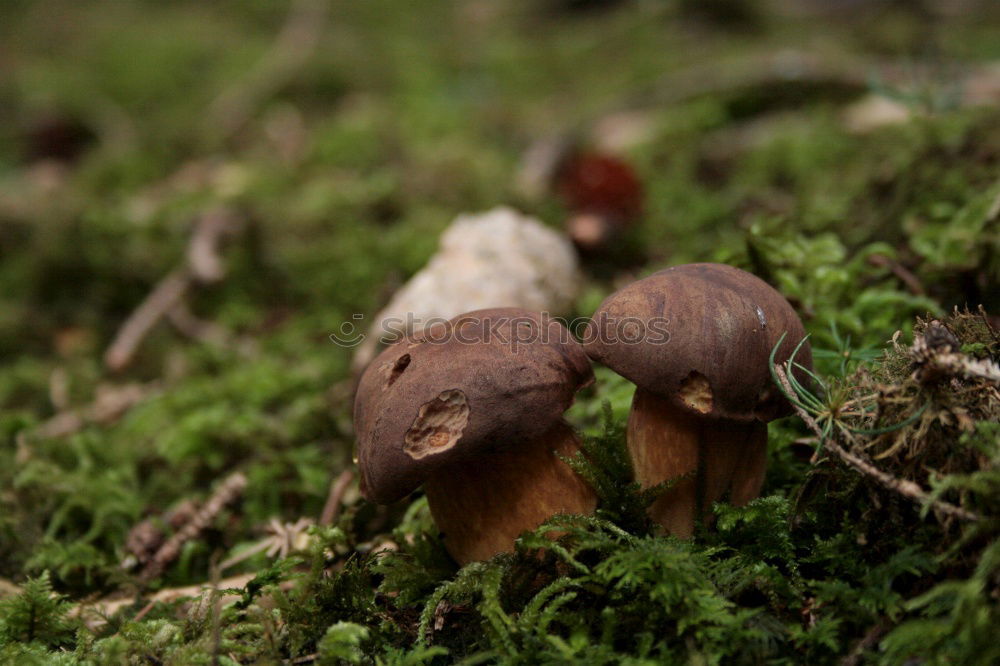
(714, 456)
(482, 508)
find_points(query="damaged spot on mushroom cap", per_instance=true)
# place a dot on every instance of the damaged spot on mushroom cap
(696, 392)
(392, 370)
(761, 318)
(438, 426)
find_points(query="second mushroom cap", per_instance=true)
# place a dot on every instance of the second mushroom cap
(699, 335)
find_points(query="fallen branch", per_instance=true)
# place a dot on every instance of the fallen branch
(231, 488)
(191, 326)
(904, 487)
(204, 261)
(164, 296)
(203, 264)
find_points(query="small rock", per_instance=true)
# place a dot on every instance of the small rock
(873, 112)
(499, 258)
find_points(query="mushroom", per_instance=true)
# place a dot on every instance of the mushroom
(696, 341)
(473, 409)
(604, 197)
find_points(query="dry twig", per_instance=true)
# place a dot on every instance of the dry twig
(109, 405)
(902, 273)
(203, 264)
(167, 293)
(904, 487)
(935, 360)
(190, 325)
(227, 492)
(338, 488)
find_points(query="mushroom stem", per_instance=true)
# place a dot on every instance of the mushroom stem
(720, 456)
(481, 507)
(748, 477)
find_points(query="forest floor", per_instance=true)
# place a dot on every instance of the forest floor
(181, 490)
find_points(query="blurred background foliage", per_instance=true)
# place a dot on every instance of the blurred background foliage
(347, 135)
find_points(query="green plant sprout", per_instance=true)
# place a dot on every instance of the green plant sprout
(834, 403)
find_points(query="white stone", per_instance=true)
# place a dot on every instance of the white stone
(500, 258)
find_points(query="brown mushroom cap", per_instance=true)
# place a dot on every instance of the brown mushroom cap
(717, 327)
(483, 381)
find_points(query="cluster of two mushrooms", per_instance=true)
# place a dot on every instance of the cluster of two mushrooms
(473, 409)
